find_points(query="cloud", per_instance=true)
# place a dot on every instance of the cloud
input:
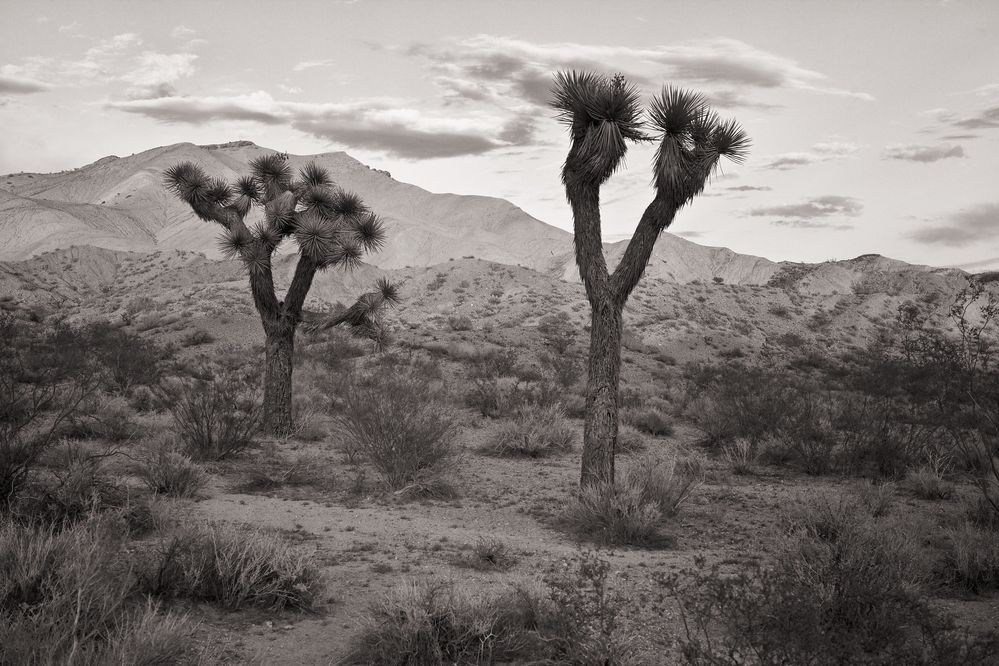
(183, 32)
(154, 73)
(812, 213)
(919, 153)
(386, 125)
(311, 64)
(13, 85)
(984, 119)
(965, 227)
(689, 234)
(749, 188)
(503, 69)
(820, 152)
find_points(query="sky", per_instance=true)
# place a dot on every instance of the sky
(875, 124)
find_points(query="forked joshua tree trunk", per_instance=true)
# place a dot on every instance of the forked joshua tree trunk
(332, 228)
(602, 115)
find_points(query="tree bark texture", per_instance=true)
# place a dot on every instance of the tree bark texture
(279, 363)
(601, 426)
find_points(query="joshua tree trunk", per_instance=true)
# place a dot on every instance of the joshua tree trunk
(600, 430)
(602, 115)
(279, 361)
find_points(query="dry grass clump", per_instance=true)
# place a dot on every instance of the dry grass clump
(171, 473)
(398, 422)
(630, 440)
(649, 420)
(971, 558)
(569, 619)
(929, 484)
(536, 431)
(489, 554)
(67, 597)
(235, 566)
(631, 511)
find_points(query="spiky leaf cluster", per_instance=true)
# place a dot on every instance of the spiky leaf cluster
(364, 318)
(603, 114)
(332, 227)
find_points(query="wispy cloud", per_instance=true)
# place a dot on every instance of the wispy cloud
(820, 152)
(311, 64)
(15, 85)
(919, 153)
(814, 213)
(504, 69)
(387, 125)
(966, 227)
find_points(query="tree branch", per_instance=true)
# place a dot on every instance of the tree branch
(305, 271)
(585, 202)
(657, 217)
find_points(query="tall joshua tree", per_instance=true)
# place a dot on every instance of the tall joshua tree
(602, 115)
(333, 228)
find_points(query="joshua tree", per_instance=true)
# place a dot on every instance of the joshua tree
(332, 228)
(602, 115)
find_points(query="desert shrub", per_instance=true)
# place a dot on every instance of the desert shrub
(65, 597)
(42, 383)
(171, 473)
(235, 566)
(535, 432)
(741, 455)
(806, 433)
(631, 511)
(215, 417)
(102, 417)
(615, 513)
(930, 484)
(128, 359)
(563, 368)
(570, 619)
(649, 420)
(400, 424)
(460, 323)
(734, 400)
(489, 554)
(588, 629)
(436, 623)
(197, 337)
(78, 485)
(878, 498)
(844, 590)
(630, 440)
(971, 558)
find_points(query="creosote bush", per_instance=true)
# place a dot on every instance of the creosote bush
(844, 589)
(398, 422)
(536, 431)
(216, 417)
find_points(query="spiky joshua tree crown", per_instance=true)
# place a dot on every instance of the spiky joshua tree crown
(331, 226)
